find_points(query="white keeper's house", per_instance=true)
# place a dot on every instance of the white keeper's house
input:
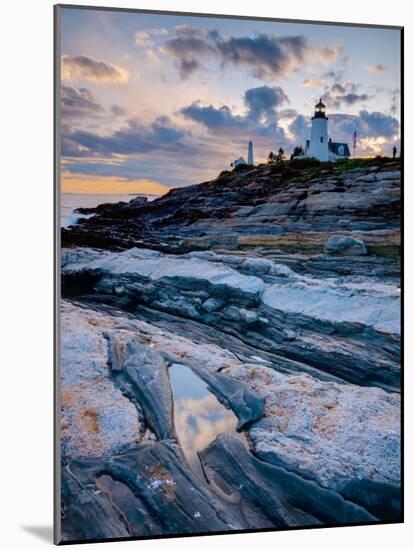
(320, 145)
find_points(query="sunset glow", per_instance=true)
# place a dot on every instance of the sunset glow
(108, 185)
(152, 101)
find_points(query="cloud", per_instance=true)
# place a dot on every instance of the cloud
(335, 75)
(367, 124)
(300, 129)
(313, 83)
(375, 130)
(131, 139)
(188, 30)
(378, 68)
(213, 117)
(181, 166)
(343, 88)
(189, 43)
(144, 38)
(153, 57)
(198, 421)
(83, 67)
(117, 110)
(330, 53)
(187, 66)
(287, 113)
(343, 94)
(79, 103)
(352, 98)
(263, 101)
(261, 114)
(264, 56)
(395, 101)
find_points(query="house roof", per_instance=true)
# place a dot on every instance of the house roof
(240, 160)
(334, 147)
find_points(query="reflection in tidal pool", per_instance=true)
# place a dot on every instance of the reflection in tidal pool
(198, 416)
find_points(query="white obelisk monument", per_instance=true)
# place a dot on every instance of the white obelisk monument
(250, 154)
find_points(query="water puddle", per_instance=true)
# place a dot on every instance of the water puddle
(198, 416)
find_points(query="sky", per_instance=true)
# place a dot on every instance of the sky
(150, 101)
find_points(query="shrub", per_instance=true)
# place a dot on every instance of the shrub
(241, 167)
(223, 173)
(301, 164)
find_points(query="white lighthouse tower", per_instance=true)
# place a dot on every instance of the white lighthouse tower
(318, 144)
(250, 154)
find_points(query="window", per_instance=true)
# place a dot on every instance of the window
(321, 139)
(341, 150)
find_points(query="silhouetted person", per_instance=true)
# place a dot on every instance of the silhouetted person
(394, 152)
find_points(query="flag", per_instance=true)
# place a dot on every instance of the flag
(354, 137)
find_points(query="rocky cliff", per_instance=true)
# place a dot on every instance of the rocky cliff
(279, 286)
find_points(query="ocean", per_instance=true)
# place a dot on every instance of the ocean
(70, 201)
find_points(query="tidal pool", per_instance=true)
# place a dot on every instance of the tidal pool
(198, 415)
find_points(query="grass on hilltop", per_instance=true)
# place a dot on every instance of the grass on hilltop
(299, 169)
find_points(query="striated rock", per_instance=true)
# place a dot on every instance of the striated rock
(333, 303)
(257, 265)
(248, 316)
(381, 499)
(138, 271)
(382, 242)
(153, 479)
(340, 327)
(345, 245)
(325, 452)
(285, 208)
(88, 514)
(328, 432)
(283, 497)
(279, 287)
(96, 419)
(142, 374)
(188, 273)
(212, 304)
(138, 200)
(247, 405)
(387, 175)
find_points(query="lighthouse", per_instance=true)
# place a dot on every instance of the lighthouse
(250, 154)
(318, 145)
(250, 159)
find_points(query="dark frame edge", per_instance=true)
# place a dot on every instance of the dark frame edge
(229, 16)
(235, 532)
(402, 153)
(56, 278)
